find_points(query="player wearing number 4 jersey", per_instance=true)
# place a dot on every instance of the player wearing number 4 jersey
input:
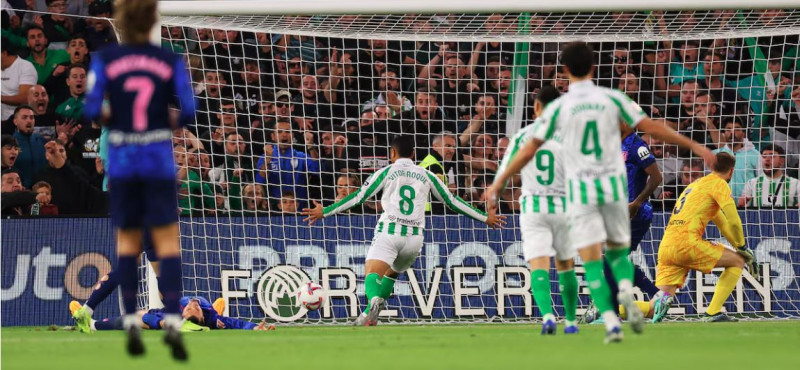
(543, 221)
(586, 120)
(398, 235)
(141, 81)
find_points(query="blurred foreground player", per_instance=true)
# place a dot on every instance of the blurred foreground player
(140, 81)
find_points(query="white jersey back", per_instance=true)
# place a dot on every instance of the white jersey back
(586, 119)
(406, 188)
(543, 177)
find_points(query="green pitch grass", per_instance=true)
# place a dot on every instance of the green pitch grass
(747, 345)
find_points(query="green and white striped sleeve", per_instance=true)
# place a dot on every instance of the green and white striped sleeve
(549, 121)
(514, 146)
(454, 202)
(372, 185)
(630, 112)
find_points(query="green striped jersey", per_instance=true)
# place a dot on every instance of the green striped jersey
(764, 191)
(406, 188)
(586, 120)
(543, 177)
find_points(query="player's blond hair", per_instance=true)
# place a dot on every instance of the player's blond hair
(134, 19)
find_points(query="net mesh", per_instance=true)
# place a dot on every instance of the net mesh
(324, 94)
(599, 26)
(345, 84)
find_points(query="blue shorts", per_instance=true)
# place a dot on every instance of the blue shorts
(137, 204)
(639, 229)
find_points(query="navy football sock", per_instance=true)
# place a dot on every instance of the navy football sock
(645, 284)
(170, 283)
(104, 289)
(128, 281)
(612, 284)
(109, 324)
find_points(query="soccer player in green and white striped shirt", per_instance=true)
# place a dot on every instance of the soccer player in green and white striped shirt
(773, 188)
(398, 235)
(586, 120)
(543, 221)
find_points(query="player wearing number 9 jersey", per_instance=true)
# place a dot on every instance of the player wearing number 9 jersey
(587, 120)
(141, 81)
(543, 220)
(398, 235)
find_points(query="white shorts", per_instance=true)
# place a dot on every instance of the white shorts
(591, 224)
(545, 235)
(397, 251)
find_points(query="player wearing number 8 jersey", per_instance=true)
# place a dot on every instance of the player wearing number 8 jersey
(586, 120)
(141, 82)
(543, 221)
(398, 235)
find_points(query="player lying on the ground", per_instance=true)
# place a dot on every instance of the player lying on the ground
(543, 221)
(198, 314)
(586, 120)
(107, 283)
(683, 247)
(399, 234)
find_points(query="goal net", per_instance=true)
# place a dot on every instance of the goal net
(322, 95)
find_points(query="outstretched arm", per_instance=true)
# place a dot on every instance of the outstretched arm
(659, 130)
(461, 206)
(371, 186)
(514, 166)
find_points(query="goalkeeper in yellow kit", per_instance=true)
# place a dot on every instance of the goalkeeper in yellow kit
(683, 247)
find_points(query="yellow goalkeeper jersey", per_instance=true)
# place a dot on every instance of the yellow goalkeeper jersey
(696, 206)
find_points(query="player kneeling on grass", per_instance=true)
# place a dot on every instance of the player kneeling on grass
(198, 314)
(398, 235)
(683, 247)
(543, 221)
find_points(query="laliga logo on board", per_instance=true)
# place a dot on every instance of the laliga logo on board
(276, 292)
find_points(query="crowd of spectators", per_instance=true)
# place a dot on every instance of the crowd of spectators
(284, 120)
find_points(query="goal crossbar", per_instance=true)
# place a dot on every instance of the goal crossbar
(308, 7)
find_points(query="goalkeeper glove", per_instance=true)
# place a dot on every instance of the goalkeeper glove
(750, 261)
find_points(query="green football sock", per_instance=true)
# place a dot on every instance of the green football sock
(387, 287)
(540, 286)
(598, 287)
(621, 266)
(568, 285)
(372, 287)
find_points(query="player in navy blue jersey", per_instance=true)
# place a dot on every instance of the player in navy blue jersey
(644, 177)
(141, 82)
(197, 310)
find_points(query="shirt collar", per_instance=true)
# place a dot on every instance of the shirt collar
(404, 160)
(581, 84)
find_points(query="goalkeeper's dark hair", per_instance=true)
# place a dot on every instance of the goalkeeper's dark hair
(547, 94)
(725, 162)
(403, 145)
(578, 57)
